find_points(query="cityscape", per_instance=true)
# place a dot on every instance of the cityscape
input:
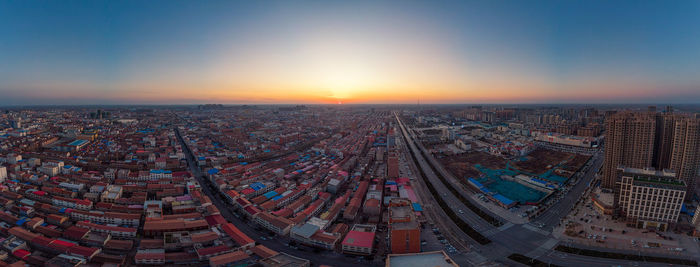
(396, 134)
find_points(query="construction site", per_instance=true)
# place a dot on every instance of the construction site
(523, 180)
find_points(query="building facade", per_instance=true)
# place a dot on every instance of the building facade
(629, 142)
(650, 198)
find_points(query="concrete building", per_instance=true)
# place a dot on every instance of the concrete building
(685, 153)
(3, 174)
(432, 258)
(111, 194)
(629, 142)
(696, 221)
(650, 198)
(404, 229)
(360, 240)
(665, 125)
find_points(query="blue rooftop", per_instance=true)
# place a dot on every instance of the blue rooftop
(417, 207)
(506, 201)
(270, 194)
(475, 182)
(78, 142)
(257, 186)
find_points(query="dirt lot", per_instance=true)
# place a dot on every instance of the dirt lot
(576, 163)
(538, 160)
(463, 165)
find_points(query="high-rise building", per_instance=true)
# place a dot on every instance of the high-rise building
(649, 198)
(665, 125)
(685, 152)
(629, 142)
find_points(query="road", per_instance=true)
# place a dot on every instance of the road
(322, 257)
(525, 239)
(552, 217)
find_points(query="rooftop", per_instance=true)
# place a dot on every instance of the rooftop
(433, 259)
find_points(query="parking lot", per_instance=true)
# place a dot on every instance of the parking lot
(584, 225)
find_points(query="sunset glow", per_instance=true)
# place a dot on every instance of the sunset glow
(223, 52)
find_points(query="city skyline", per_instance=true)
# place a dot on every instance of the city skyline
(352, 53)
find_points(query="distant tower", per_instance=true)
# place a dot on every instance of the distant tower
(669, 109)
(16, 123)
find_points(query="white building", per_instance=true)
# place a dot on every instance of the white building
(650, 198)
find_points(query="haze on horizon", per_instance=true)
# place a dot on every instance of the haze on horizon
(250, 52)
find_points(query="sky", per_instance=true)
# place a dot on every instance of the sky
(333, 52)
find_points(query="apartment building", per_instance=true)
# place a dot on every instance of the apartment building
(629, 142)
(685, 155)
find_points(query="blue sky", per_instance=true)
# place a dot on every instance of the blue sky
(177, 52)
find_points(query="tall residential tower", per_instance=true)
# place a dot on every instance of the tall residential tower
(629, 142)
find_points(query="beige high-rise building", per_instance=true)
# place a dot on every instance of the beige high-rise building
(629, 142)
(685, 152)
(649, 198)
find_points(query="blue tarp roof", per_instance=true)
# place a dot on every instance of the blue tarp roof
(270, 194)
(277, 197)
(77, 142)
(538, 180)
(417, 207)
(475, 182)
(257, 186)
(506, 201)
(213, 171)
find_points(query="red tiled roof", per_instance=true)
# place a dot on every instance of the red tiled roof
(41, 241)
(85, 252)
(236, 234)
(120, 244)
(60, 245)
(204, 237)
(150, 255)
(215, 220)
(21, 253)
(263, 251)
(228, 258)
(75, 232)
(23, 234)
(359, 239)
(212, 250)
